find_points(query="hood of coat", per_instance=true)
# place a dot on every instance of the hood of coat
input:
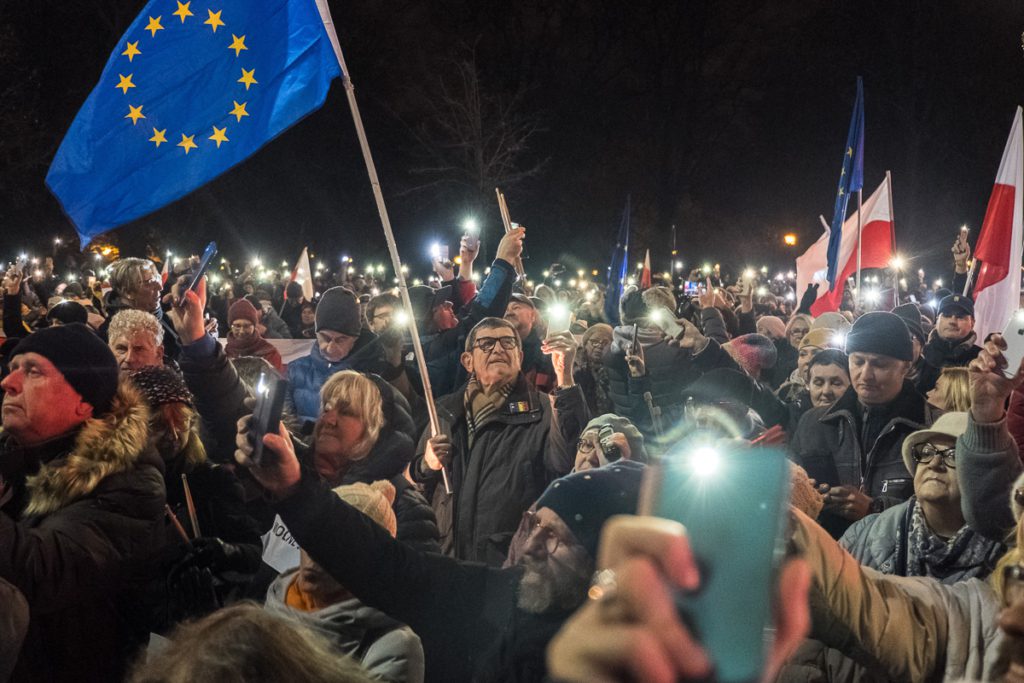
(105, 446)
(344, 623)
(396, 443)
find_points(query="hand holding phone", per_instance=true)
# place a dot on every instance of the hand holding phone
(266, 415)
(208, 254)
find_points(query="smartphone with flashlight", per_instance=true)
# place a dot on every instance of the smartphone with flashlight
(559, 318)
(663, 319)
(1013, 335)
(266, 414)
(734, 503)
(208, 254)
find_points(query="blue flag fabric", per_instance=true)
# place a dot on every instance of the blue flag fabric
(617, 269)
(851, 179)
(190, 90)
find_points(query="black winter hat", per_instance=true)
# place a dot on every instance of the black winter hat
(585, 500)
(911, 315)
(68, 312)
(338, 311)
(424, 299)
(880, 332)
(86, 362)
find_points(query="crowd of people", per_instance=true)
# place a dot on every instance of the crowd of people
(494, 534)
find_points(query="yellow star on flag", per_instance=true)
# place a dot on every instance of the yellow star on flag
(247, 78)
(183, 11)
(214, 21)
(125, 83)
(135, 113)
(842, 172)
(154, 25)
(133, 49)
(188, 142)
(237, 44)
(840, 192)
(849, 151)
(239, 111)
(219, 135)
(158, 136)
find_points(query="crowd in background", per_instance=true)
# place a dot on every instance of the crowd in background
(143, 538)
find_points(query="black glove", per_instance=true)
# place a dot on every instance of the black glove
(808, 299)
(217, 556)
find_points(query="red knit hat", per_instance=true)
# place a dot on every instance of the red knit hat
(243, 310)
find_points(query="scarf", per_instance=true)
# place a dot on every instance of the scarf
(599, 372)
(482, 407)
(966, 555)
(253, 345)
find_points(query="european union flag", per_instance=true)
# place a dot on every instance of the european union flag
(617, 269)
(851, 179)
(192, 89)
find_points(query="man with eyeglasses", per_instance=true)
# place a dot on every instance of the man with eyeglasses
(477, 622)
(608, 439)
(501, 441)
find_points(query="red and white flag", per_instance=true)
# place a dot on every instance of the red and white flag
(997, 285)
(165, 272)
(645, 274)
(303, 275)
(876, 251)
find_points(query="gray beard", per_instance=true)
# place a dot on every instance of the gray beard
(542, 590)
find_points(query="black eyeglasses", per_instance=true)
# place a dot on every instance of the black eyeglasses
(925, 453)
(585, 445)
(546, 533)
(487, 344)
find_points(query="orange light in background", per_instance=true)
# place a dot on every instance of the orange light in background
(790, 239)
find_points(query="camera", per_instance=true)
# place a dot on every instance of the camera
(611, 450)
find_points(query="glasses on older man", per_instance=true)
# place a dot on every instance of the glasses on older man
(546, 534)
(487, 344)
(925, 453)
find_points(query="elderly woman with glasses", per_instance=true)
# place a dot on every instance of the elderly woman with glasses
(244, 338)
(921, 626)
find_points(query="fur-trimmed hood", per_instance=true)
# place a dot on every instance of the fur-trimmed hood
(106, 445)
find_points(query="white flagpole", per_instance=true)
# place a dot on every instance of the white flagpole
(860, 211)
(892, 239)
(396, 261)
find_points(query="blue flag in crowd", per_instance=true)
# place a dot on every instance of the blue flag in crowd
(851, 179)
(617, 269)
(190, 90)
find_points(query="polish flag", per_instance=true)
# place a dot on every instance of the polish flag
(876, 251)
(165, 272)
(997, 286)
(645, 274)
(303, 275)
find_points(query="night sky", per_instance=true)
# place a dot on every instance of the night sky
(725, 118)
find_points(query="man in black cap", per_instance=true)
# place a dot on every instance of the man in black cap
(911, 316)
(73, 535)
(951, 343)
(537, 367)
(854, 447)
(476, 622)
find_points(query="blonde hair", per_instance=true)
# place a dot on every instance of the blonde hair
(245, 643)
(958, 389)
(356, 395)
(129, 322)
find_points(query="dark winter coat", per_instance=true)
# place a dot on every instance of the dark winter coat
(528, 444)
(827, 443)
(464, 612)
(93, 514)
(171, 342)
(219, 395)
(939, 353)
(670, 370)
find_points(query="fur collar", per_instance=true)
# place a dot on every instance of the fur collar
(104, 446)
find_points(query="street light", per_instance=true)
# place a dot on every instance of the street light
(790, 239)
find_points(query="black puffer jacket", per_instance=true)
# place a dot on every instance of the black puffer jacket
(828, 444)
(669, 371)
(92, 518)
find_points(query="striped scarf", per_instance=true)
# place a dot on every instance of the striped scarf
(481, 406)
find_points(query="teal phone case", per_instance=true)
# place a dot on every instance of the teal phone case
(735, 514)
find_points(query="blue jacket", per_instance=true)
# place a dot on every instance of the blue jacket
(307, 374)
